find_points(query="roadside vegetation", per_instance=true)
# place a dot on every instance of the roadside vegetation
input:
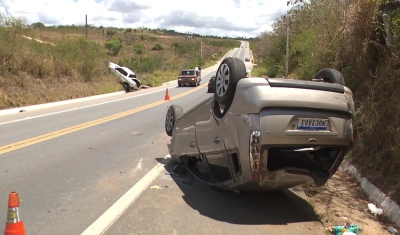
(44, 64)
(362, 40)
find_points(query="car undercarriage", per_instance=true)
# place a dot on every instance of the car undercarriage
(264, 134)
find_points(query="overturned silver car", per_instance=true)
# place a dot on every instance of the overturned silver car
(126, 77)
(264, 133)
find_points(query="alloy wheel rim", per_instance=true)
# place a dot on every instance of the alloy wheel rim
(222, 80)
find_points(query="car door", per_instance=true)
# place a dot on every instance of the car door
(208, 135)
(221, 165)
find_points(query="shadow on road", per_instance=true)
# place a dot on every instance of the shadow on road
(276, 208)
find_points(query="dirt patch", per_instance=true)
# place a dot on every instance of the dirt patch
(163, 36)
(342, 201)
(38, 40)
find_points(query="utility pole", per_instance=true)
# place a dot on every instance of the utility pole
(86, 26)
(287, 45)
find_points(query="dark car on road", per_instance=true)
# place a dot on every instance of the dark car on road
(211, 85)
(190, 77)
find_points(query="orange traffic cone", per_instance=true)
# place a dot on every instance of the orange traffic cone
(14, 225)
(166, 95)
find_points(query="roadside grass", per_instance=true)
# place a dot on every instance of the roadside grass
(40, 65)
(259, 71)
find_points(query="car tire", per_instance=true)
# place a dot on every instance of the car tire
(331, 76)
(230, 71)
(179, 85)
(173, 114)
(126, 87)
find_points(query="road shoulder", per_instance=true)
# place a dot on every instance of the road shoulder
(342, 201)
(180, 204)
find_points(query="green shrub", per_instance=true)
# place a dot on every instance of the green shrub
(114, 46)
(138, 48)
(110, 32)
(158, 47)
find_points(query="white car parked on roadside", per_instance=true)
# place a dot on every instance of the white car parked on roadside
(126, 77)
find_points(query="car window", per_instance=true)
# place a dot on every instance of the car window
(132, 75)
(186, 72)
(122, 71)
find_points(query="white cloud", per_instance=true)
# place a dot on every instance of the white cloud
(218, 17)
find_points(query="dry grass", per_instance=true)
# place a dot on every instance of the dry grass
(373, 75)
(52, 64)
(348, 36)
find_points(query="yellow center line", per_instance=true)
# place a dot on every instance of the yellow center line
(52, 135)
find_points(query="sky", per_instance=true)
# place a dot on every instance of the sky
(233, 18)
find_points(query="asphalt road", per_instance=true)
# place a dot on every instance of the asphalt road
(71, 163)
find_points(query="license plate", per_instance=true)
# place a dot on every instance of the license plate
(312, 124)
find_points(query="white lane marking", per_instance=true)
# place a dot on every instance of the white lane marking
(5, 112)
(88, 106)
(107, 219)
(83, 107)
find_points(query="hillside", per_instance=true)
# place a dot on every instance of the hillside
(44, 64)
(360, 39)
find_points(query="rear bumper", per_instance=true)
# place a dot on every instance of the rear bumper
(285, 156)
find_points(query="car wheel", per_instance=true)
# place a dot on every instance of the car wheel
(126, 87)
(179, 85)
(330, 76)
(173, 113)
(230, 71)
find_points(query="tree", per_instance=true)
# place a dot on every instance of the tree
(111, 32)
(38, 25)
(114, 46)
(176, 45)
(390, 16)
